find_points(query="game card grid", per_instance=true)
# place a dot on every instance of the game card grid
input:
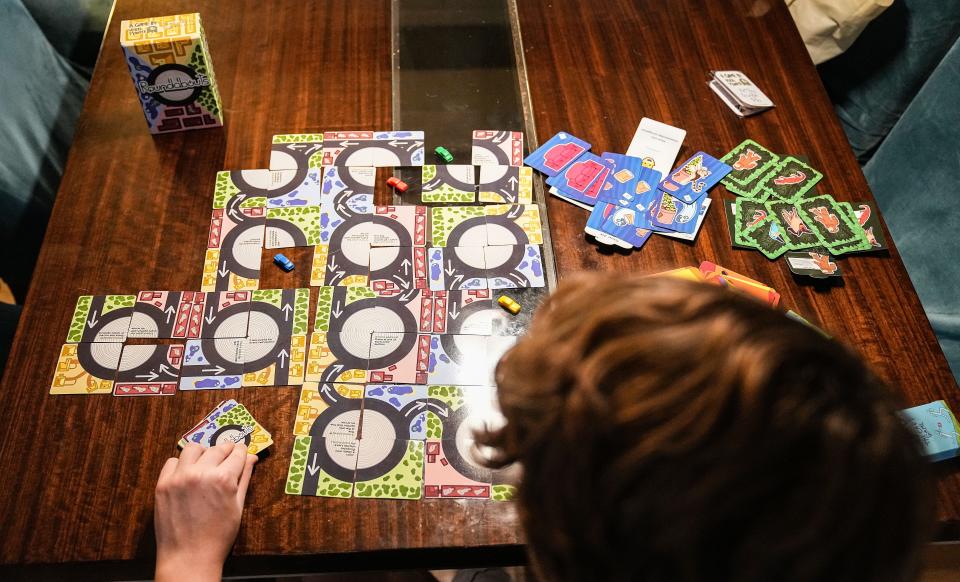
(401, 366)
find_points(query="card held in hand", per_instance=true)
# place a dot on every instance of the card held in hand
(230, 421)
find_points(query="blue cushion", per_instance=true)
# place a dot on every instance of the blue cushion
(915, 176)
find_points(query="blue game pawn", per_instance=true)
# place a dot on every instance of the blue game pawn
(283, 262)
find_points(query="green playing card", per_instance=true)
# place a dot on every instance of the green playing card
(866, 215)
(829, 221)
(857, 247)
(734, 189)
(751, 189)
(790, 179)
(747, 214)
(730, 210)
(848, 212)
(796, 231)
(862, 243)
(769, 238)
(750, 161)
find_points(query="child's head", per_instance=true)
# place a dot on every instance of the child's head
(677, 431)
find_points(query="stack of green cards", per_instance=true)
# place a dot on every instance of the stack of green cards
(750, 162)
(777, 212)
(760, 174)
(776, 226)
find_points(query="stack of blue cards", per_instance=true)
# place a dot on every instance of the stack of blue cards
(643, 203)
(621, 215)
(628, 199)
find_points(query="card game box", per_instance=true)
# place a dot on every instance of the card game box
(936, 428)
(169, 61)
(739, 93)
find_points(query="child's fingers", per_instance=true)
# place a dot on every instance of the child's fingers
(232, 464)
(168, 468)
(250, 461)
(190, 453)
(215, 455)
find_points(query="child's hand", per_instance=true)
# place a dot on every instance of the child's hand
(197, 515)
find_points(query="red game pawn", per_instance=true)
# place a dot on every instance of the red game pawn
(397, 184)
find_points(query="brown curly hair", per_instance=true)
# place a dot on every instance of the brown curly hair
(670, 430)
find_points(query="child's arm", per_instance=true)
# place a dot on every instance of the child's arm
(197, 514)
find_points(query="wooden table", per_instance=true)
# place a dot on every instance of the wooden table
(133, 210)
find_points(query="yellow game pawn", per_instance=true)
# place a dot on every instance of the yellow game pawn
(509, 304)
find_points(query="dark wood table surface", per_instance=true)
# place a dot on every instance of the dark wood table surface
(132, 213)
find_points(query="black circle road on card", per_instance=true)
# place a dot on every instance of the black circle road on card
(174, 84)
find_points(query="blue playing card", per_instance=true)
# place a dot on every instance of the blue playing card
(698, 222)
(675, 215)
(555, 155)
(624, 224)
(596, 218)
(628, 181)
(690, 181)
(595, 225)
(582, 179)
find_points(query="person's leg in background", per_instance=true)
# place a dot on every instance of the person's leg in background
(894, 91)
(41, 97)
(915, 177)
(74, 28)
(874, 81)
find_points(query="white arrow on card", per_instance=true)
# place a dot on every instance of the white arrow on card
(416, 408)
(329, 393)
(441, 409)
(313, 467)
